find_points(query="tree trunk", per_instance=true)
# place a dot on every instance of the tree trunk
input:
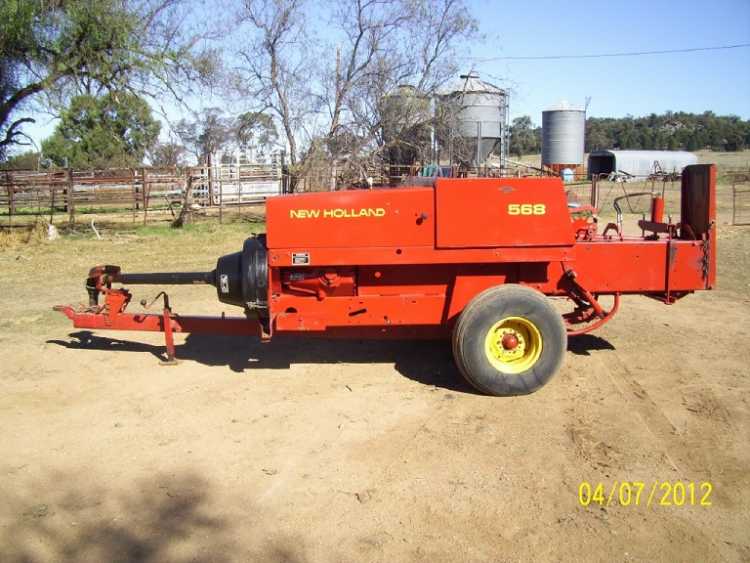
(186, 213)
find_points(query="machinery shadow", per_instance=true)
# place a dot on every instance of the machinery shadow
(428, 362)
(583, 345)
(424, 361)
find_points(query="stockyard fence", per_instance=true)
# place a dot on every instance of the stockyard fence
(141, 194)
(157, 194)
(740, 197)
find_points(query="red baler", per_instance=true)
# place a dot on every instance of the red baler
(475, 260)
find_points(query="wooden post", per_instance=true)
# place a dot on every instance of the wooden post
(221, 201)
(11, 202)
(145, 188)
(594, 191)
(52, 204)
(71, 199)
(239, 189)
(210, 170)
(135, 193)
(332, 179)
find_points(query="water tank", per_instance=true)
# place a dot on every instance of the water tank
(563, 135)
(480, 113)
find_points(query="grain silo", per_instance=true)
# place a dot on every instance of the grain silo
(406, 125)
(563, 137)
(477, 116)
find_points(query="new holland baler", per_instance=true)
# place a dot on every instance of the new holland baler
(477, 261)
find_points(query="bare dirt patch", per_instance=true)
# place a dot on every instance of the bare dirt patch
(304, 450)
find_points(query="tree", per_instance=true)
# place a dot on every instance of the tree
(255, 128)
(329, 96)
(672, 130)
(277, 65)
(28, 160)
(524, 138)
(167, 155)
(206, 134)
(62, 49)
(113, 130)
(380, 51)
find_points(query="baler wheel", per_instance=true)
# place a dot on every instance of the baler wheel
(509, 340)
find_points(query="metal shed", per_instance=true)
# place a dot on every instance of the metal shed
(639, 163)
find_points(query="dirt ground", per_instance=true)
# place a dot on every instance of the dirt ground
(304, 450)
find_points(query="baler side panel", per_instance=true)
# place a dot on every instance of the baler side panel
(351, 219)
(636, 266)
(502, 212)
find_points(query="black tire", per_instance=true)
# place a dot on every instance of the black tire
(483, 313)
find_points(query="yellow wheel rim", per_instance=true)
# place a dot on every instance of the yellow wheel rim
(513, 345)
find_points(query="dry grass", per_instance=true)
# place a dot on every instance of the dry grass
(34, 235)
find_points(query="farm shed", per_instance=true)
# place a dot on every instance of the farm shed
(638, 163)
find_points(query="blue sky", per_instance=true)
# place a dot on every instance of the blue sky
(694, 82)
(718, 80)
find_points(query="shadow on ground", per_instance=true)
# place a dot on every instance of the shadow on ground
(168, 518)
(426, 362)
(583, 345)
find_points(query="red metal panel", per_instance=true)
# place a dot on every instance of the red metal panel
(421, 255)
(636, 266)
(356, 218)
(155, 323)
(496, 212)
(309, 314)
(437, 293)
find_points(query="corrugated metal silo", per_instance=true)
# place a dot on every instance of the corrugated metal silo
(481, 116)
(563, 136)
(406, 124)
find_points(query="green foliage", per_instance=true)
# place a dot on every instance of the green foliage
(670, 131)
(63, 49)
(255, 127)
(524, 137)
(114, 130)
(168, 155)
(212, 130)
(28, 160)
(206, 134)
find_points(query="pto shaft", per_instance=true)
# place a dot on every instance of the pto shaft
(169, 278)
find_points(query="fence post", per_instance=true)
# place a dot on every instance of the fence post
(594, 192)
(221, 201)
(52, 203)
(134, 191)
(239, 190)
(210, 172)
(11, 202)
(71, 199)
(145, 188)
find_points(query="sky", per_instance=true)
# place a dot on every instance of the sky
(693, 82)
(718, 81)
